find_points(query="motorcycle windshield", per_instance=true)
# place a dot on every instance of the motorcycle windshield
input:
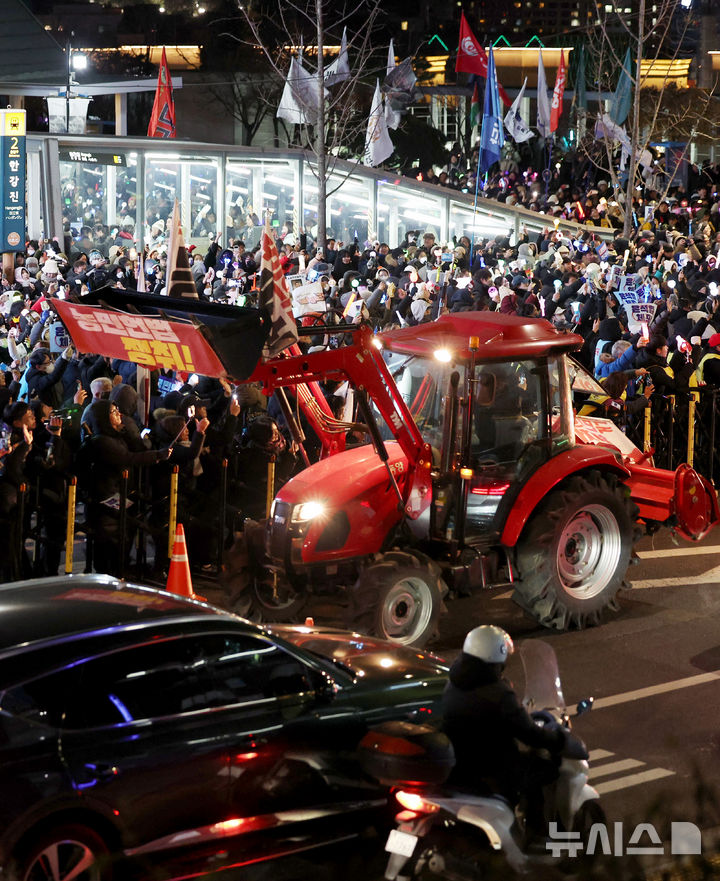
(543, 689)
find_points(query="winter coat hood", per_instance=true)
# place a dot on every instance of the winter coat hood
(125, 397)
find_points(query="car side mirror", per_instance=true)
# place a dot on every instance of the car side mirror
(325, 689)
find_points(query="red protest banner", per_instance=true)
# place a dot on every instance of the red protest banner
(150, 342)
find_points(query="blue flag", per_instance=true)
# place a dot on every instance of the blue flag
(621, 100)
(491, 134)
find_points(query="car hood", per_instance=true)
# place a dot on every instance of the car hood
(373, 660)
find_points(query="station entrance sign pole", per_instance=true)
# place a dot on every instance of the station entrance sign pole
(12, 187)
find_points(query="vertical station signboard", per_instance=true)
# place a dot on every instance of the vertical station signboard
(12, 181)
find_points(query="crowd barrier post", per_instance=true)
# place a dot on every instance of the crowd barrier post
(223, 505)
(692, 404)
(711, 457)
(647, 428)
(70, 529)
(20, 534)
(270, 486)
(123, 519)
(172, 520)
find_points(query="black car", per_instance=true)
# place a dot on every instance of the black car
(139, 726)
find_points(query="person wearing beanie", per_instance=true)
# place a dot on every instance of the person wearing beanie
(669, 378)
(420, 306)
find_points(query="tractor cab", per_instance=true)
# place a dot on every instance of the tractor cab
(490, 423)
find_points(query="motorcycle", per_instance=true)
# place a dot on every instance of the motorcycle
(448, 833)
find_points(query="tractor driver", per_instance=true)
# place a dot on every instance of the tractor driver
(500, 427)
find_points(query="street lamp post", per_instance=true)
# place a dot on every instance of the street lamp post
(74, 62)
(68, 52)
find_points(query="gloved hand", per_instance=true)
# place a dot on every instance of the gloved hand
(69, 352)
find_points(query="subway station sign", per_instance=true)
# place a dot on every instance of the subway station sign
(12, 183)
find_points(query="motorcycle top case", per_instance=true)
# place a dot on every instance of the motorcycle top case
(404, 754)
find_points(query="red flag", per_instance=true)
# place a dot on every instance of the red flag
(472, 58)
(162, 119)
(275, 297)
(557, 97)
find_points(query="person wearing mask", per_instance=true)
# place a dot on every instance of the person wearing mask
(44, 378)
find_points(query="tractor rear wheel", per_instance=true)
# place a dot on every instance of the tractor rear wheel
(574, 552)
(399, 598)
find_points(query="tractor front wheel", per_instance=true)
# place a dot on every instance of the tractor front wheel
(399, 598)
(574, 552)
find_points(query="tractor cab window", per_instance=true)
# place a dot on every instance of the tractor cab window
(510, 438)
(423, 384)
(508, 409)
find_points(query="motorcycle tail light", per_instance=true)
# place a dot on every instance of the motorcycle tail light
(414, 802)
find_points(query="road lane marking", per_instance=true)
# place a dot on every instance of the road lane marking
(704, 578)
(614, 768)
(652, 690)
(633, 780)
(680, 551)
(596, 754)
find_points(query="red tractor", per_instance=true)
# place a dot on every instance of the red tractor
(475, 477)
(478, 472)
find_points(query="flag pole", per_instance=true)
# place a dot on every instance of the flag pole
(477, 184)
(549, 172)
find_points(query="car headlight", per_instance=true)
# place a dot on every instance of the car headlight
(307, 511)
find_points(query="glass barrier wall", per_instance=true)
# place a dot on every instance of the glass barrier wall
(400, 210)
(126, 188)
(193, 181)
(98, 190)
(348, 208)
(251, 188)
(481, 227)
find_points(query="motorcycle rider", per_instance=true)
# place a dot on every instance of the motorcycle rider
(484, 719)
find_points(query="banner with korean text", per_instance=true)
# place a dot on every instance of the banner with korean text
(150, 342)
(12, 181)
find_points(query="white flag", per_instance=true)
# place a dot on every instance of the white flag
(339, 70)
(514, 123)
(299, 101)
(378, 146)
(606, 128)
(543, 102)
(392, 117)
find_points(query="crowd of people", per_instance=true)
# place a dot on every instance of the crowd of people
(66, 412)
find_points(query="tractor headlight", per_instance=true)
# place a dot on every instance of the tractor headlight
(307, 511)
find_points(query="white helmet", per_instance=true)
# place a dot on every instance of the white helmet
(489, 643)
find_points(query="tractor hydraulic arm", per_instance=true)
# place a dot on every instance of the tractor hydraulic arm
(363, 366)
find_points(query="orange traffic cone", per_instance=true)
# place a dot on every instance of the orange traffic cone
(179, 578)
